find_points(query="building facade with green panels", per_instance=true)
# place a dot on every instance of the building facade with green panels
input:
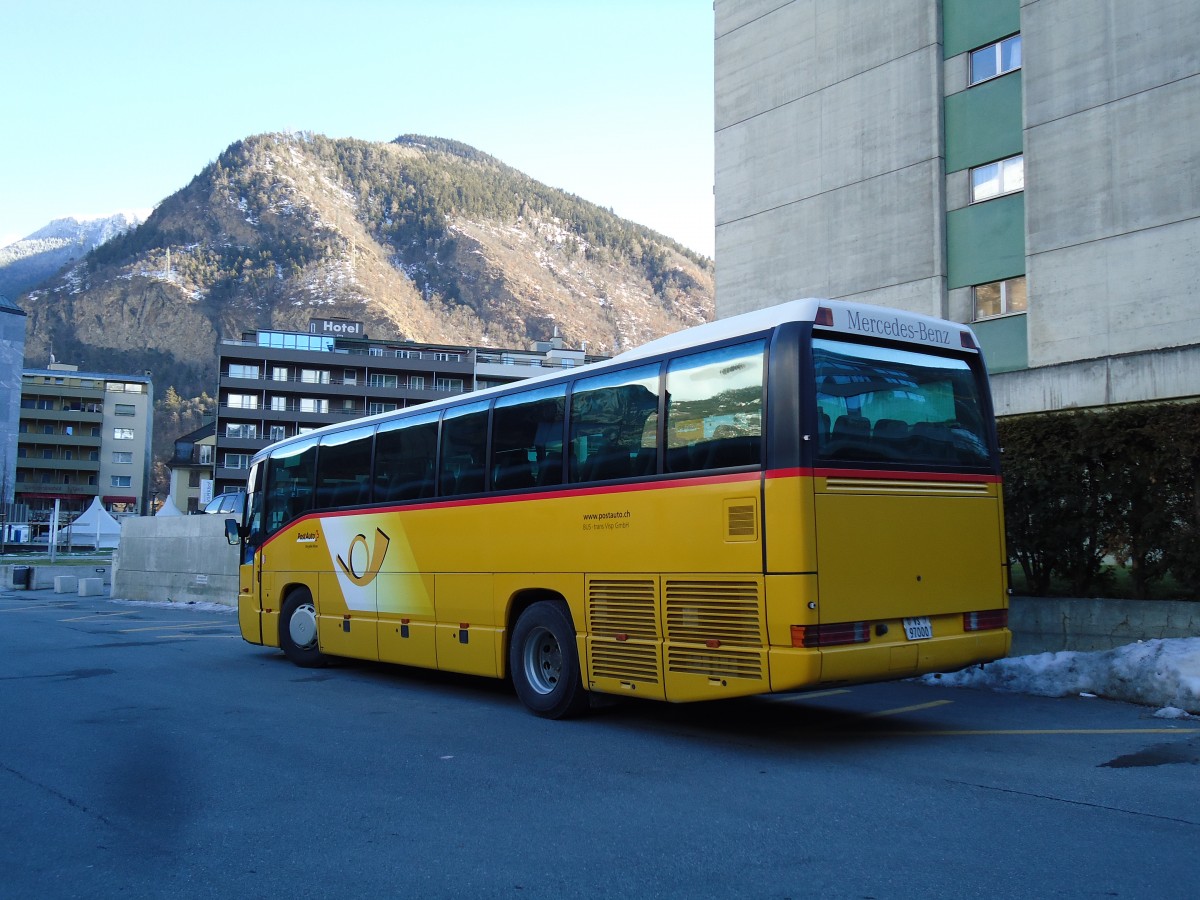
(1028, 167)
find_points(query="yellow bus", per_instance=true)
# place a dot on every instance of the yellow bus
(801, 496)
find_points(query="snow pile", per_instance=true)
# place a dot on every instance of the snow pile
(1163, 673)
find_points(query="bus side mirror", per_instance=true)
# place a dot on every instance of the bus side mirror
(232, 532)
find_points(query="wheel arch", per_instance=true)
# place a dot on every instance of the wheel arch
(519, 602)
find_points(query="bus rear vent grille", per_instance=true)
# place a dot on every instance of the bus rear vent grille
(623, 607)
(715, 663)
(704, 611)
(625, 661)
(742, 521)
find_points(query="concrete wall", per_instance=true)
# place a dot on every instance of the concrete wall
(1112, 106)
(829, 182)
(821, 188)
(1041, 625)
(184, 558)
(43, 575)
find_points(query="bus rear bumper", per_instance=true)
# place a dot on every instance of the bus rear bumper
(910, 658)
(799, 668)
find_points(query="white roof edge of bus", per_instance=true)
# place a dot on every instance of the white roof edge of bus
(803, 310)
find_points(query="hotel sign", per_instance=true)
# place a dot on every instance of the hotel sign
(335, 327)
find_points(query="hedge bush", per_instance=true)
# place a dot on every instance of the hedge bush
(1086, 489)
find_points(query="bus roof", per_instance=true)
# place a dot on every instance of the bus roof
(853, 318)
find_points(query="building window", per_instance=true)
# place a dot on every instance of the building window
(416, 382)
(122, 456)
(381, 381)
(442, 356)
(122, 434)
(241, 401)
(120, 481)
(349, 376)
(241, 430)
(374, 409)
(314, 376)
(277, 433)
(206, 454)
(1005, 176)
(47, 454)
(1000, 298)
(448, 384)
(996, 59)
(237, 460)
(124, 409)
(314, 405)
(279, 404)
(279, 373)
(238, 370)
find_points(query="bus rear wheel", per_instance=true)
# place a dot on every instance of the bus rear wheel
(544, 662)
(298, 630)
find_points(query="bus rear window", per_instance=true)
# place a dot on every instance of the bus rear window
(896, 407)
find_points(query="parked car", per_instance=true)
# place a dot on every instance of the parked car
(230, 503)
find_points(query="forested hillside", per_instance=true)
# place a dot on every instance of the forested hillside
(421, 238)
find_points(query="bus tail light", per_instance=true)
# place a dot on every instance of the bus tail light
(967, 340)
(824, 317)
(830, 635)
(985, 620)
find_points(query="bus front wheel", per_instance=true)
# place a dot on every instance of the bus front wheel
(545, 663)
(298, 630)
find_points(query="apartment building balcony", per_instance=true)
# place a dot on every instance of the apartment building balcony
(65, 465)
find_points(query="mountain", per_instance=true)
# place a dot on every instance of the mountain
(32, 260)
(420, 238)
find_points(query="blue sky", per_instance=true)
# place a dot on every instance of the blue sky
(113, 106)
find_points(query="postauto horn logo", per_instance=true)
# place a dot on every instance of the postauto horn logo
(364, 564)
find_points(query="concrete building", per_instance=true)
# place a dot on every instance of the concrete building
(1029, 167)
(276, 384)
(12, 360)
(83, 435)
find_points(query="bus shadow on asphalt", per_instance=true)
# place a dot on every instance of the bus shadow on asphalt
(783, 719)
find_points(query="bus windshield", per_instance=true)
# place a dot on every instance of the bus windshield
(882, 405)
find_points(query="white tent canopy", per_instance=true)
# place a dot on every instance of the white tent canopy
(94, 528)
(168, 508)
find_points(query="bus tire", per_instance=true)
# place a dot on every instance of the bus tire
(298, 630)
(544, 662)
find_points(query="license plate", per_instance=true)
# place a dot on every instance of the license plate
(918, 629)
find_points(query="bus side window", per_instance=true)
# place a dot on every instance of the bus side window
(405, 450)
(714, 409)
(344, 468)
(464, 442)
(614, 425)
(527, 439)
